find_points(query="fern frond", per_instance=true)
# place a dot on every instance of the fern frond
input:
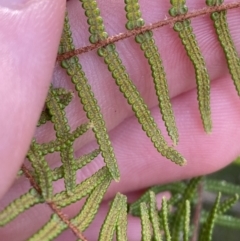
(145, 223)
(134, 208)
(207, 229)
(19, 205)
(62, 199)
(125, 84)
(178, 217)
(227, 204)
(224, 36)
(111, 220)
(150, 50)
(60, 144)
(42, 171)
(221, 186)
(154, 217)
(89, 102)
(165, 219)
(186, 221)
(50, 230)
(90, 208)
(44, 117)
(223, 220)
(80, 162)
(121, 232)
(189, 41)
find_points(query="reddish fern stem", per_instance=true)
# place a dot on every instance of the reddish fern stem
(170, 21)
(53, 206)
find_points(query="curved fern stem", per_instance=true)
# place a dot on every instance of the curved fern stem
(150, 50)
(224, 36)
(89, 102)
(125, 84)
(189, 41)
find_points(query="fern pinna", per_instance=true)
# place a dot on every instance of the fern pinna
(157, 224)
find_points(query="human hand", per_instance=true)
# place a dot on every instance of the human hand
(140, 164)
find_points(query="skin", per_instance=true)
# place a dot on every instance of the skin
(25, 87)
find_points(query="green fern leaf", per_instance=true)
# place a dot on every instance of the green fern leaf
(224, 36)
(121, 231)
(145, 223)
(126, 86)
(62, 130)
(111, 220)
(178, 217)
(90, 208)
(62, 199)
(189, 41)
(207, 229)
(80, 162)
(227, 204)
(221, 186)
(186, 221)
(88, 100)
(19, 205)
(154, 217)
(50, 230)
(42, 171)
(134, 208)
(165, 219)
(150, 50)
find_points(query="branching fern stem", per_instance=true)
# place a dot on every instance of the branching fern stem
(222, 30)
(189, 41)
(125, 84)
(169, 21)
(53, 206)
(89, 102)
(150, 50)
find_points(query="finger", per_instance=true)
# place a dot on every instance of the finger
(28, 50)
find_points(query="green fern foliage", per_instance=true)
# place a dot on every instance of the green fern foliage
(112, 220)
(150, 50)
(88, 100)
(174, 221)
(115, 66)
(221, 26)
(189, 41)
